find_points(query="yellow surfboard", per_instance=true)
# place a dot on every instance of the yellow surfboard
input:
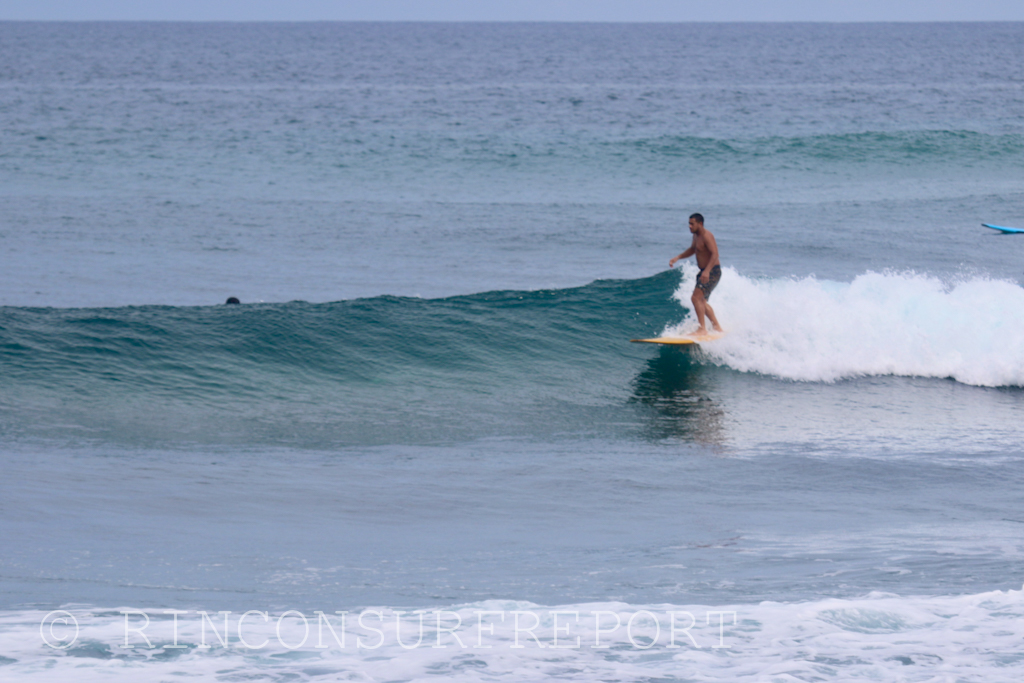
(682, 341)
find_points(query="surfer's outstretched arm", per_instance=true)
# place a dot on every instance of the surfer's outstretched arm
(686, 254)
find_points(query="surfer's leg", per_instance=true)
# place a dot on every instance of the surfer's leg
(698, 307)
(711, 315)
(705, 289)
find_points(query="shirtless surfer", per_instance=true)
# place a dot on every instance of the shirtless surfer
(706, 249)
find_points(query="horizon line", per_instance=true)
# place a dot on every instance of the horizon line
(510, 21)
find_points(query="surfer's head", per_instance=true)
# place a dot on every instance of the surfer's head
(696, 222)
(232, 300)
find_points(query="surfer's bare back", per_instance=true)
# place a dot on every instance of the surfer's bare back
(706, 249)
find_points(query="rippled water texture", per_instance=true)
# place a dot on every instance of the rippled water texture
(444, 237)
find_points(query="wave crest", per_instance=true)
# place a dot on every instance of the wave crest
(905, 324)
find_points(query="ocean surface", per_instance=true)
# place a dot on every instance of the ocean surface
(423, 448)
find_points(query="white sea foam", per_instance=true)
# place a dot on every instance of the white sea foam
(880, 637)
(904, 324)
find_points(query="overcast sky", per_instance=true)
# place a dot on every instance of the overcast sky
(517, 10)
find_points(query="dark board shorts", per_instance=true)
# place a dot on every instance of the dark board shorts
(709, 286)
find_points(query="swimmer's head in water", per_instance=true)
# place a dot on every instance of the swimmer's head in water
(232, 300)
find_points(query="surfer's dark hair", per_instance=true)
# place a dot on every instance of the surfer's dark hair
(697, 217)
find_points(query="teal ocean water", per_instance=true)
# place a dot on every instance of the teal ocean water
(425, 419)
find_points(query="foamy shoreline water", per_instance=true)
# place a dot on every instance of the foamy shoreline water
(883, 637)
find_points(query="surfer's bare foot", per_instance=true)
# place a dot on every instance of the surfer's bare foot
(718, 329)
(701, 332)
